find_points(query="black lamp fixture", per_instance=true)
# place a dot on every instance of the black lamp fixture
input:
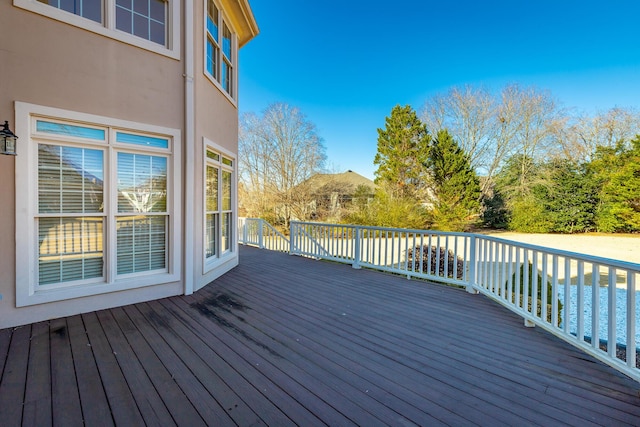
(7, 140)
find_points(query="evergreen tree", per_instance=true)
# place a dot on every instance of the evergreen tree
(402, 153)
(455, 185)
(618, 171)
(516, 182)
(569, 197)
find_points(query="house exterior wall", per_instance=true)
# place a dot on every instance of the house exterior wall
(50, 64)
(216, 122)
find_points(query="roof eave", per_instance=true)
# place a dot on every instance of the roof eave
(243, 20)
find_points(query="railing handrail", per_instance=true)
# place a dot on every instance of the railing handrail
(495, 267)
(626, 265)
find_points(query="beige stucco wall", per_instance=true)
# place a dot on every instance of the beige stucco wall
(50, 63)
(216, 119)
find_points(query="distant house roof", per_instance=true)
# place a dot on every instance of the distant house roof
(347, 181)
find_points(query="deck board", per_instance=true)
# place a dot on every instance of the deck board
(14, 377)
(37, 400)
(509, 374)
(284, 340)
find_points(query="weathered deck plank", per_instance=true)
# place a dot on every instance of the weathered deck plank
(37, 400)
(285, 340)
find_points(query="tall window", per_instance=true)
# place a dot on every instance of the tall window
(220, 49)
(218, 204)
(99, 205)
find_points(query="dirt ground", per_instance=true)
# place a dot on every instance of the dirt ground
(620, 247)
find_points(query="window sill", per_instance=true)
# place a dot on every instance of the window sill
(222, 91)
(43, 296)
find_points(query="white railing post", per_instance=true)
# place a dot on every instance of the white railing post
(260, 234)
(293, 239)
(631, 320)
(356, 255)
(473, 259)
(244, 231)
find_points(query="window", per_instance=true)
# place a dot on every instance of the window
(150, 24)
(220, 50)
(104, 211)
(143, 18)
(219, 190)
(90, 9)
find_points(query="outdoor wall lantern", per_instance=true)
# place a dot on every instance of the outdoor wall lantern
(7, 140)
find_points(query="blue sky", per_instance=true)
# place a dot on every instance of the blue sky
(346, 63)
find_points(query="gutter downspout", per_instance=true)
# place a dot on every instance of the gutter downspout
(189, 144)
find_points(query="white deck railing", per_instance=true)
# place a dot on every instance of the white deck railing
(587, 301)
(258, 232)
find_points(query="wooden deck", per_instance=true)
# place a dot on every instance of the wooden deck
(284, 340)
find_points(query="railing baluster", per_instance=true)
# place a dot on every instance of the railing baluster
(554, 291)
(567, 295)
(631, 319)
(510, 291)
(612, 313)
(595, 305)
(580, 306)
(545, 289)
(534, 285)
(516, 300)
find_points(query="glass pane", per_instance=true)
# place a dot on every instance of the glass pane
(147, 141)
(126, 4)
(69, 249)
(212, 58)
(142, 183)
(211, 233)
(141, 7)
(212, 189)
(226, 42)
(226, 190)
(212, 21)
(70, 179)
(141, 26)
(226, 161)
(69, 6)
(226, 78)
(226, 231)
(70, 130)
(92, 9)
(141, 243)
(157, 10)
(124, 20)
(213, 155)
(157, 33)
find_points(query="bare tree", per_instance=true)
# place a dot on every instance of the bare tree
(468, 113)
(604, 129)
(536, 126)
(491, 128)
(279, 150)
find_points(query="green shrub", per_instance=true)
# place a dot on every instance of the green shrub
(439, 257)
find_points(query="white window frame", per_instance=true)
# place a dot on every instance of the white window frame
(108, 27)
(27, 292)
(211, 263)
(233, 96)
